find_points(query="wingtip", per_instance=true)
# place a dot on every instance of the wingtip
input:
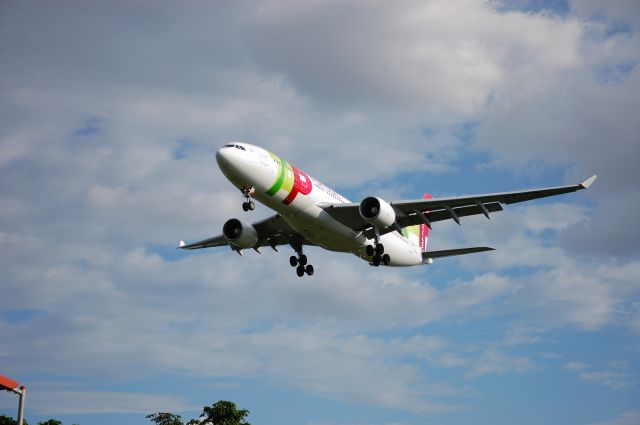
(588, 182)
(181, 244)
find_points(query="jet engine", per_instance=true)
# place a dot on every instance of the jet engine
(377, 212)
(239, 234)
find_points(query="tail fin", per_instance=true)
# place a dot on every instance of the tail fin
(424, 230)
(419, 233)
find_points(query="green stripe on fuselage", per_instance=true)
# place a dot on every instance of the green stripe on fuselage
(287, 184)
(278, 184)
(412, 233)
(411, 229)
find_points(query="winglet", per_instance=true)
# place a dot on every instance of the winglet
(181, 244)
(588, 182)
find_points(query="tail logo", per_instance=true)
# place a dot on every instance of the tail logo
(291, 180)
(418, 234)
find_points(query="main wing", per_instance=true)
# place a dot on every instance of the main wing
(272, 231)
(427, 211)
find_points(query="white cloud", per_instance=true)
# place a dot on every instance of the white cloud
(493, 361)
(630, 417)
(614, 377)
(93, 189)
(435, 58)
(55, 400)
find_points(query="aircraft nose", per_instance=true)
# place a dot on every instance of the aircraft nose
(223, 157)
(231, 160)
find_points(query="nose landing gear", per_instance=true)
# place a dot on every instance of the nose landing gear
(248, 192)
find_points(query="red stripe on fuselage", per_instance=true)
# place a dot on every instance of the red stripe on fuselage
(301, 184)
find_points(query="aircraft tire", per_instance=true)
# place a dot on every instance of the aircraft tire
(251, 205)
(309, 269)
(370, 250)
(302, 260)
(386, 259)
(245, 206)
(300, 271)
(293, 261)
(376, 260)
(380, 249)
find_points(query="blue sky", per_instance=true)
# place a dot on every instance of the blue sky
(109, 120)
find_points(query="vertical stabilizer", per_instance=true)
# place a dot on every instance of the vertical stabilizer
(424, 230)
(418, 234)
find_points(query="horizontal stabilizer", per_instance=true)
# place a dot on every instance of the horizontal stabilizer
(430, 255)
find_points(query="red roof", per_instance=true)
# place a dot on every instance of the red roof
(8, 384)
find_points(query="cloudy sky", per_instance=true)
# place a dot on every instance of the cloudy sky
(110, 115)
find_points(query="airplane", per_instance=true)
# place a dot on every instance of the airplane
(308, 213)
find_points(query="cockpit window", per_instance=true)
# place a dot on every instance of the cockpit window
(232, 145)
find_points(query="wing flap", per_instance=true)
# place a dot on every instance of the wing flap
(443, 214)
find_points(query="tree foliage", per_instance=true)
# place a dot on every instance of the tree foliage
(220, 413)
(224, 413)
(165, 418)
(8, 420)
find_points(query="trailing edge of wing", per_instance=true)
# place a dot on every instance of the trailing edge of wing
(426, 256)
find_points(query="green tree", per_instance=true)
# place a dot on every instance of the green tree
(50, 422)
(165, 418)
(8, 420)
(222, 413)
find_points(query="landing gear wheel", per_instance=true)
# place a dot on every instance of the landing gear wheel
(370, 250)
(376, 260)
(299, 261)
(248, 192)
(309, 269)
(386, 259)
(380, 249)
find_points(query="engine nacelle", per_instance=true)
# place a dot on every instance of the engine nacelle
(377, 212)
(239, 234)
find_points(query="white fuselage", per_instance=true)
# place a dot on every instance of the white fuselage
(276, 185)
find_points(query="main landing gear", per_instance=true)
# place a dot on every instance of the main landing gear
(300, 263)
(377, 253)
(248, 192)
